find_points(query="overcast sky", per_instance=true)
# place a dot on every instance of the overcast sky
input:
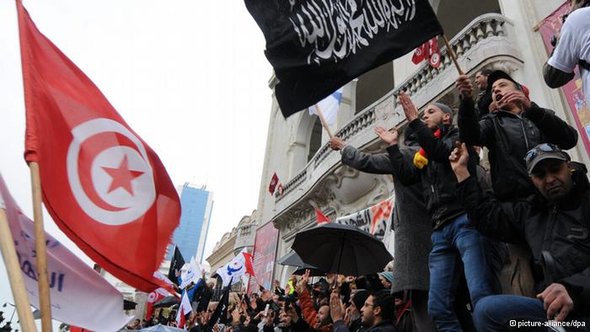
(190, 77)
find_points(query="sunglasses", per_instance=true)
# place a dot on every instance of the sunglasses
(534, 152)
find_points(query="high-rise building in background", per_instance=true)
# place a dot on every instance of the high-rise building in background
(191, 234)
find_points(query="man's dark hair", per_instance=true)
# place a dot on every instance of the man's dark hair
(576, 4)
(485, 72)
(386, 302)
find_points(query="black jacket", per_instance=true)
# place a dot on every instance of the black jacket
(561, 230)
(484, 99)
(509, 137)
(438, 180)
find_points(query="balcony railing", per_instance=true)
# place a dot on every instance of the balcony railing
(488, 38)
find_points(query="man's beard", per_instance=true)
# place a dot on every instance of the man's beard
(355, 316)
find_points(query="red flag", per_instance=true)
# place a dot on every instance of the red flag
(419, 54)
(183, 309)
(152, 298)
(78, 329)
(434, 51)
(321, 218)
(104, 187)
(248, 262)
(274, 181)
(428, 51)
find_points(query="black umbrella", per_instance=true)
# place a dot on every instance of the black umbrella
(129, 305)
(292, 259)
(341, 249)
(312, 272)
(167, 301)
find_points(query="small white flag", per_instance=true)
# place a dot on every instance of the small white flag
(329, 107)
(190, 272)
(232, 271)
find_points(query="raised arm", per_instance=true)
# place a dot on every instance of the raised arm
(503, 221)
(402, 169)
(553, 127)
(472, 131)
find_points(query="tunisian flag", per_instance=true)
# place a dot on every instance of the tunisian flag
(236, 268)
(102, 184)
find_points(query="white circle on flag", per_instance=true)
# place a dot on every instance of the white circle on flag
(435, 60)
(121, 204)
(152, 297)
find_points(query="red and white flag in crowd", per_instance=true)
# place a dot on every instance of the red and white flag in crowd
(79, 295)
(274, 181)
(102, 184)
(428, 51)
(183, 310)
(320, 217)
(157, 295)
(234, 270)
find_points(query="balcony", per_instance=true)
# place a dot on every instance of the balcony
(489, 38)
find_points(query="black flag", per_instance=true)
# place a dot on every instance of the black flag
(220, 312)
(317, 46)
(175, 265)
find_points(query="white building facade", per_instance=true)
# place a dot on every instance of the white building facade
(494, 34)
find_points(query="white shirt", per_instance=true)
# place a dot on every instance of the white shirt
(574, 44)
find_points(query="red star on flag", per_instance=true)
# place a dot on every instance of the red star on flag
(122, 176)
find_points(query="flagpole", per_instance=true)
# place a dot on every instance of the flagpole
(323, 120)
(15, 277)
(41, 250)
(452, 54)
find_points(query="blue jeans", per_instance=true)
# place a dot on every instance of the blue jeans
(456, 241)
(512, 312)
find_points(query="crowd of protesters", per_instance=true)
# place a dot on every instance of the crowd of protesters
(330, 303)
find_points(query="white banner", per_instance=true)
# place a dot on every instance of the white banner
(374, 219)
(79, 295)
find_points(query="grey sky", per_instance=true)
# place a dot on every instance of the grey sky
(190, 77)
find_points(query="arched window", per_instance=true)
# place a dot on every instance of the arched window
(315, 141)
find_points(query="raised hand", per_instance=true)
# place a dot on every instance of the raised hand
(336, 307)
(459, 159)
(408, 106)
(463, 84)
(302, 284)
(389, 137)
(515, 97)
(336, 143)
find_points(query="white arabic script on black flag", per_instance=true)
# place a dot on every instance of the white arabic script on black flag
(322, 25)
(317, 46)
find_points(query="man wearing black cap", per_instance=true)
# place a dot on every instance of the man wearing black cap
(555, 226)
(453, 240)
